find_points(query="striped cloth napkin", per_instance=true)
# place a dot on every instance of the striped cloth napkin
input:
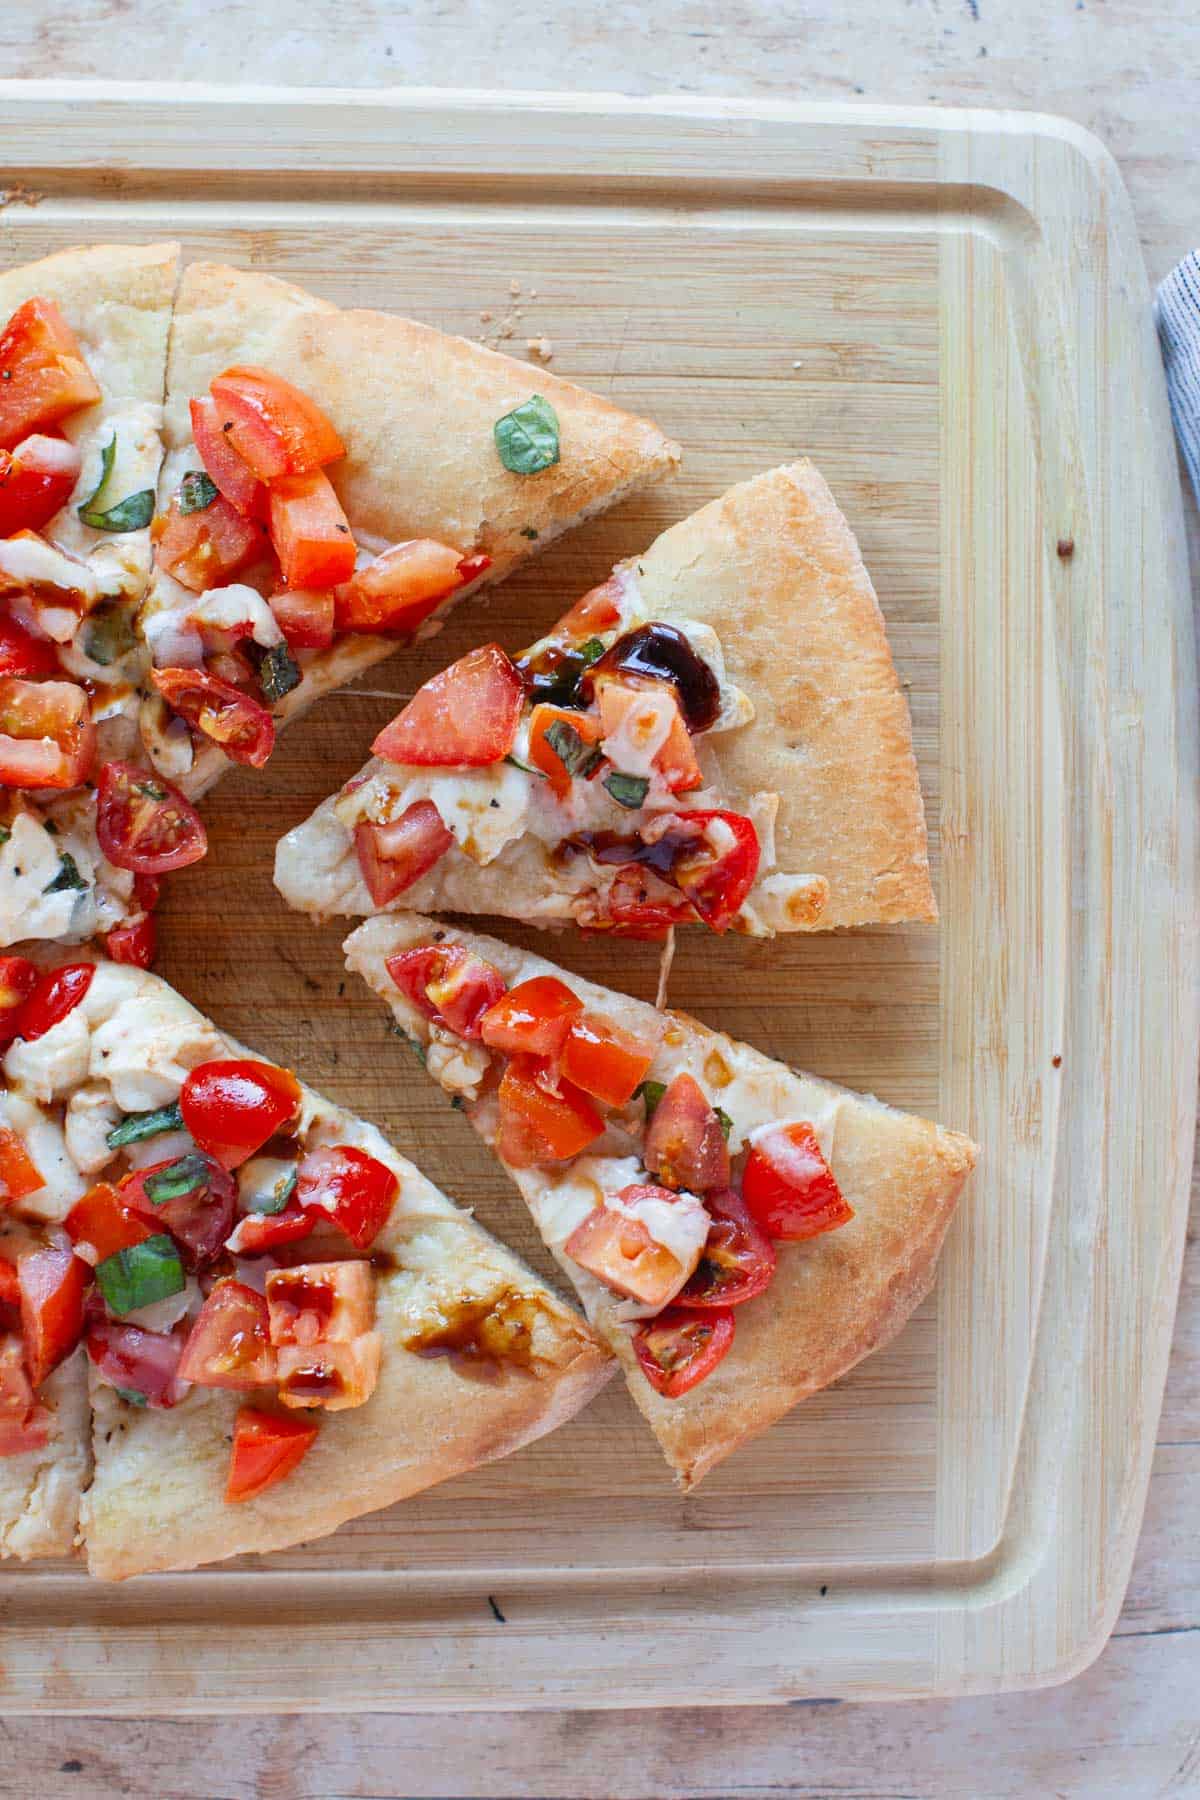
(1177, 310)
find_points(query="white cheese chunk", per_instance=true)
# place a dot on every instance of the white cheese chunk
(43, 1138)
(145, 1050)
(91, 1114)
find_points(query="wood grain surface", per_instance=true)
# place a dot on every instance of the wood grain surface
(1129, 1725)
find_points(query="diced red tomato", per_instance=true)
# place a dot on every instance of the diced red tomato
(310, 532)
(635, 908)
(447, 982)
(738, 1260)
(47, 739)
(790, 1188)
(256, 1233)
(305, 617)
(145, 824)
(538, 1125)
(54, 994)
(43, 374)
(200, 1218)
(23, 1424)
(36, 480)
(542, 753)
(717, 869)
(684, 1145)
(229, 1345)
(621, 1252)
(312, 1303)
(231, 1107)
(679, 1348)
(595, 613)
(206, 549)
(394, 855)
(274, 427)
(242, 727)
(357, 1191)
(675, 759)
(10, 1286)
(334, 1376)
(134, 943)
(19, 1174)
(101, 1224)
(604, 1060)
(53, 1285)
(532, 1019)
(464, 717)
(400, 588)
(224, 467)
(266, 1449)
(21, 653)
(17, 981)
(138, 1361)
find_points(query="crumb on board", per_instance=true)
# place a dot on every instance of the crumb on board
(514, 287)
(541, 348)
(20, 195)
(485, 318)
(1066, 548)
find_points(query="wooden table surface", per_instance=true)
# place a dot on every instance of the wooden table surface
(1128, 1727)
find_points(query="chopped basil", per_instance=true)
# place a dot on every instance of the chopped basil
(576, 755)
(724, 1121)
(49, 827)
(275, 1199)
(278, 672)
(132, 1396)
(197, 491)
(525, 768)
(181, 1177)
(528, 531)
(130, 514)
(151, 790)
(627, 790)
(107, 634)
(140, 1274)
(134, 1127)
(527, 437)
(651, 1092)
(68, 876)
(5, 833)
(592, 651)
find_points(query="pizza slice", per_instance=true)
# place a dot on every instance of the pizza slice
(83, 347)
(284, 1323)
(715, 735)
(740, 1234)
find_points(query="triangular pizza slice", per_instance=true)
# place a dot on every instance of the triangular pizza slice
(740, 1234)
(284, 1323)
(716, 734)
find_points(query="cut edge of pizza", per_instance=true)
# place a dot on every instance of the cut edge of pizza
(284, 1324)
(716, 735)
(739, 1233)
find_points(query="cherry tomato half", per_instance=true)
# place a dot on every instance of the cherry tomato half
(684, 1144)
(679, 1348)
(393, 856)
(737, 1261)
(229, 1345)
(54, 994)
(447, 982)
(231, 1107)
(790, 1188)
(357, 1191)
(235, 722)
(266, 1448)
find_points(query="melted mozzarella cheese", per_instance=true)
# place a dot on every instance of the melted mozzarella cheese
(145, 1051)
(642, 732)
(31, 564)
(91, 1115)
(30, 864)
(227, 608)
(48, 1149)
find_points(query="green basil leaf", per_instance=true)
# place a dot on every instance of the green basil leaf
(724, 1121)
(68, 876)
(5, 833)
(197, 491)
(130, 514)
(527, 437)
(275, 1199)
(132, 1396)
(592, 651)
(49, 827)
(576, 756)
(107, 457)
(528, 531)
(140, 1274)
(278, 672)
(525, 768)
(108, 634)
(651, 1092)
(626, 790)
(135, 1127)
(181, 1177)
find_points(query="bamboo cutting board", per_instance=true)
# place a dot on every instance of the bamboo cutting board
(949, 313)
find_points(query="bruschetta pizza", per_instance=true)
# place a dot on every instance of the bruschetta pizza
(740, 1234)
(716, 735)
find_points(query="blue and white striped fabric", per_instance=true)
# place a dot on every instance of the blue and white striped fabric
(1177, 310)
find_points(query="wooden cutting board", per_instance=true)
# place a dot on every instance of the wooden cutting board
(948, 311)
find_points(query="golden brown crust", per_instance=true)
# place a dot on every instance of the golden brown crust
(833, 1299)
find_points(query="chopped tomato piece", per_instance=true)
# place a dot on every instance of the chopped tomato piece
(464, 717)
(53, 1284)
(47, 739)
(394, 855)
(54, 994)
(621, 1252)
(790, 1188)
(23, 1424)
(229, 1345)
(356, 1190)
(231, 1107)
(134, 943)
(240, 726)
(274, 427)
(191, 1196)
(314, 1303)
(135, 1360)
(332, 1375)
(21, 653)
(101, 1224)
(206, 549)
(224, 467)
(675, 757)
(684, 1144)
(19, 1174)
(145, 824)
(634, 907)
(574, 732)
(36, 480)
(43, 374)
(305, 617)
(266, 1449)
(256, 1233)
(717, 867)
(679, 1348)
(738, 1260)
(538, 1125)
(532, 1019)
(17, 981)
(598, 611)
(604, 1060)
(447, 982)
(401, 587)
(310, 532)
(10, 1287)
